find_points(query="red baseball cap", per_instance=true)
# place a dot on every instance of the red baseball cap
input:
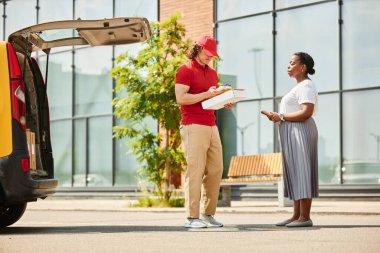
(208, 44)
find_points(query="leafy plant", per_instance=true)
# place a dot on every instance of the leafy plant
(145, 89)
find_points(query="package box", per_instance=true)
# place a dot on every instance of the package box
(30, 139)
(33, 149)
(230, 96)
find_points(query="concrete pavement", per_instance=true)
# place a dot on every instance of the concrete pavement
(110, 225)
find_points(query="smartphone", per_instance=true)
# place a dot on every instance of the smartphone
(266, 113)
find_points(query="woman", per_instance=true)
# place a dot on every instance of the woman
(299, 136)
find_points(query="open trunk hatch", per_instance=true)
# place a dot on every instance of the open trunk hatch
(81, 32)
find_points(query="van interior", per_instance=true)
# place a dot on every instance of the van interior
(37, 116)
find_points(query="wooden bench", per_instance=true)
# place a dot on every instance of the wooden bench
(251, 169)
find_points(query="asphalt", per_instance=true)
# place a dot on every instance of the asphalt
(320, 206)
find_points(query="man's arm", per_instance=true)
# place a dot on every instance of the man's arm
(185, 98)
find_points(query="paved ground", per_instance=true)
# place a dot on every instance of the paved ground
(97, 225)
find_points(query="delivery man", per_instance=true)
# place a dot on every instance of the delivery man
(196, 82)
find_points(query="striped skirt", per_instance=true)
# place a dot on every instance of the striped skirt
(299, 148)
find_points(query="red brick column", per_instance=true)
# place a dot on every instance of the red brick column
(198, 15)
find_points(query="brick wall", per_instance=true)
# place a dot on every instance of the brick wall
(197, 15)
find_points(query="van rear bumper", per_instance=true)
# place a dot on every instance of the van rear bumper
(18, 186)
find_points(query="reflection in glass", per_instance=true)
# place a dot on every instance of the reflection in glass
(58, 34)
(327, 120)
(79, 151)
(94, 9)
(230, 9)
(244, 130)
(133, 8)
(52, 10)
(99, 151)
(2, 22)
(59, 85)
(20, 14)
(361, 40)
(250, 59)
(361, 137)
(136, 8)
(61, 137)
(289, 3)
(93, 84)
(299, 30)
(126, 165)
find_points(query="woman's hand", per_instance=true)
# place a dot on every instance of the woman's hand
(272, 116)
(275, 117)
(229, 105)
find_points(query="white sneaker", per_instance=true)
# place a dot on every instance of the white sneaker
(194, 223)
(210, 221)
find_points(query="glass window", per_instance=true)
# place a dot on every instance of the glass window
(327, 120)
(361, 40)
(95, 9)
(52, 10)
(59, 85)
(254, 131)
(248, 60)
(61, 138)
(20, 14)
(125, 164)
(133, 8)
(80, 151)
(58, 34)
(2, 22)
(289, 3)
(361, 137)
(100, 151)
(244, 130)
(300, 30)
(93, 83)
(230, 9)
(136, 8)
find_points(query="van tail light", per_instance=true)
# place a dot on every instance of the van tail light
(17, 87)
(25, 164)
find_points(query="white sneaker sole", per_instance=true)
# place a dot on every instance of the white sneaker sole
(214, 226)
(192, 226)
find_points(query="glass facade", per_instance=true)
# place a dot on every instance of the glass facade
(80, 91)
(256, 40)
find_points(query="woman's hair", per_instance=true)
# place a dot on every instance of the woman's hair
(307, 60)
(194, 52)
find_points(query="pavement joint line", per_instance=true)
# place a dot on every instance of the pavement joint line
(219, 211)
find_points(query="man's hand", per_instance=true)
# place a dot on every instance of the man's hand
(214, 92)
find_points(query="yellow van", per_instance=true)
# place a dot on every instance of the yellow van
(26, 156)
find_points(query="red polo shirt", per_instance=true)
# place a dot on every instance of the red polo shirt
(200, 79)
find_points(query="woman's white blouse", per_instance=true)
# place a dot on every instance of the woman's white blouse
(303, 92)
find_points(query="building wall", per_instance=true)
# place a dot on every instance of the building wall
(198, 15)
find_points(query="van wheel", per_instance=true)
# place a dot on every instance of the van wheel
(11, 214)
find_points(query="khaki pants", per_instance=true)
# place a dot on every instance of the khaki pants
(203, 150)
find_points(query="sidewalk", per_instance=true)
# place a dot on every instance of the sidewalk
(338, 207)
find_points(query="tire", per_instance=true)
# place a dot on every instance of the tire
(11, 214)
